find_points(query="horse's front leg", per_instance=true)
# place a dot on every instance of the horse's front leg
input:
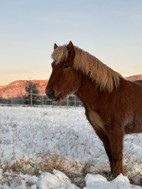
(106, 144)
(116, 136)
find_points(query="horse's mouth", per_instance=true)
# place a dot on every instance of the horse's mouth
(58, 98)
(51, 95)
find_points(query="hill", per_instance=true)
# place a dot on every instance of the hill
(134, 77)
(17, 88)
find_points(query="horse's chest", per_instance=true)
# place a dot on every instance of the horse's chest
(95, 120)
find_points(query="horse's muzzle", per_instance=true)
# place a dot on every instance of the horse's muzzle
(51, 95)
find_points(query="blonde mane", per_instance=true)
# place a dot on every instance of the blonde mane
(89, 65)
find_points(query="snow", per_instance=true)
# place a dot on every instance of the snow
(98, 181)
(55, 180)
(55, 147)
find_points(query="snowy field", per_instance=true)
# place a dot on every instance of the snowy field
(57, 148)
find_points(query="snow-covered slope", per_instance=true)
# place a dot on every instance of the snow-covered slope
(57, 148)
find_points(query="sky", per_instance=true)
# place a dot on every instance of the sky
(111, 30)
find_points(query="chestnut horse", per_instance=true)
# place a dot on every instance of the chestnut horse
(139, 82)
(112, 104)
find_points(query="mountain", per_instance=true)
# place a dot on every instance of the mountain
(134, 77)
(2, 86)
(17, 88)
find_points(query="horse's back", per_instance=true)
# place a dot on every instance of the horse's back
(134, 102)
(139, 82)
(135, 92)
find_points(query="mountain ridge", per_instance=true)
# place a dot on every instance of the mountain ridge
(134, 77)
(16, 89)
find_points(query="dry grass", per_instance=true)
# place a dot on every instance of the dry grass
(74, 170)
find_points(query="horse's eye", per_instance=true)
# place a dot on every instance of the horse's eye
(66, 66)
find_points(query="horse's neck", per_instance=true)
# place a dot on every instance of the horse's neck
(88, 93)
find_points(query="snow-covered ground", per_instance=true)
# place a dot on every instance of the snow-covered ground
(56, 148)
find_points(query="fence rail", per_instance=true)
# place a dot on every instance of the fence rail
(38, 100)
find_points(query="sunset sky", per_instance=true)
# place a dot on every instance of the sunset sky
(109, 29)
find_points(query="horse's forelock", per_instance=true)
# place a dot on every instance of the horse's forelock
(60, 54)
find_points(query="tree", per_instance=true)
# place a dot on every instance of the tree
(32, 94)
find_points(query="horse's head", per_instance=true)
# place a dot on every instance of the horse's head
(64, 79)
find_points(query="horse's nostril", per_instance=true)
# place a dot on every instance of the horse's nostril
(51, 93)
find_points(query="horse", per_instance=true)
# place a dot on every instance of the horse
(139, 82)
(113, 105)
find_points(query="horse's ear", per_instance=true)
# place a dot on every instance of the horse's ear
(55, 46)
(70, 46)
(71, 53)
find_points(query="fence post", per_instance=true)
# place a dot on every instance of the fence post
(67, 101)
(75, 100)
(42, 100)
(60, 103)
(31, 98)
(11, 97)
(12, 101)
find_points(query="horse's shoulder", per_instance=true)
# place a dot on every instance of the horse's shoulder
(95, 119)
